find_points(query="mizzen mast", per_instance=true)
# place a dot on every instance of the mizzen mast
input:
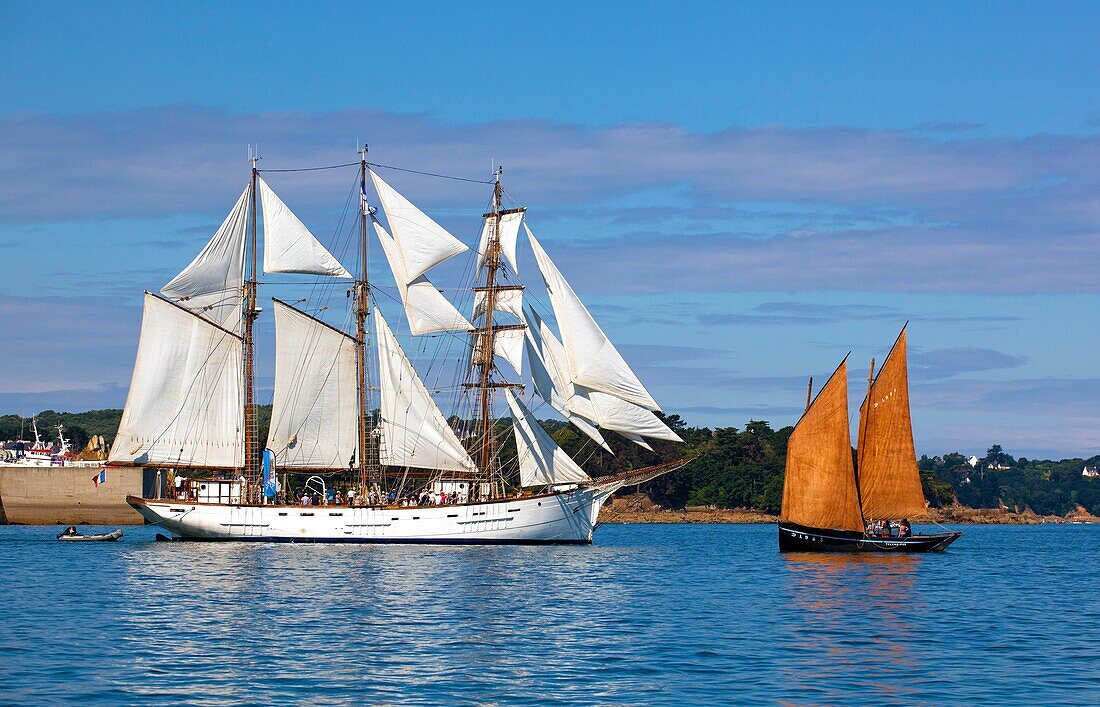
(251, 430)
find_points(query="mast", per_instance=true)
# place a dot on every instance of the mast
(362, 311)
(251, 441)
(864, 420)
(492, 264)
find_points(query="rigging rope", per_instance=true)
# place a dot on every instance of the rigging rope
(432, 174)
(312, 169)
(382, 166)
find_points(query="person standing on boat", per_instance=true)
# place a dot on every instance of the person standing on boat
(904, 529)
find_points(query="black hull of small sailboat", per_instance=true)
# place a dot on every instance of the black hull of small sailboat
(801, 538)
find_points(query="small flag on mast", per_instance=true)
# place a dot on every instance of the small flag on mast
(363, 194)
(100, 478)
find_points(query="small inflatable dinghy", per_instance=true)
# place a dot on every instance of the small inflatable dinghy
(102, 537)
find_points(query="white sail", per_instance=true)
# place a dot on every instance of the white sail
(551, 380)
(626, 418)
(541, 461)
(288, 245)
(414, 431)
(508, 344)
(509, 234)
(508, 300)
(426, 308)
(594, 362)
(211, 284)
(314, 414)
(186, 400)
(423, 242)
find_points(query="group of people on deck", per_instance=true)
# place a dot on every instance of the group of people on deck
(885, 529)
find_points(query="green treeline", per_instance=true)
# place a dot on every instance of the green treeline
(734, 468)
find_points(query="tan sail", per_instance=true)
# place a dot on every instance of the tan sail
(820, 486)
(889, 482)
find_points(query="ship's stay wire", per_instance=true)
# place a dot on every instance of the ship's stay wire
(382, 166)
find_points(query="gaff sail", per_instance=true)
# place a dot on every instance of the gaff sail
(819, 490)
(185, 404)
(889, 482)
(314, 412)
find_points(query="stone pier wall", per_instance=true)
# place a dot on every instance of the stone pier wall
(66, 495)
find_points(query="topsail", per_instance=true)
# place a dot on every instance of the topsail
(211, 284)
(423, 242)
(289, 247)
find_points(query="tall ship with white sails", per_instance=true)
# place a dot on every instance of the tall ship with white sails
(191, 409)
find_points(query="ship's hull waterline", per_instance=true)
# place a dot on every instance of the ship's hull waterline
(560, 518)
(801, 538)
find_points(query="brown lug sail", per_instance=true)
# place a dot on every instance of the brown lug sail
(820, 486)
(889, 482)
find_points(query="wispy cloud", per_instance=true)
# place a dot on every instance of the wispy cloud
(812, 313)
(947, 363)
(768, 207)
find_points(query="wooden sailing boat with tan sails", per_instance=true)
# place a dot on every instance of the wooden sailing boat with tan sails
(831, 504)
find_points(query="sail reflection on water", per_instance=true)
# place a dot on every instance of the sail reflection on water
(855, 610)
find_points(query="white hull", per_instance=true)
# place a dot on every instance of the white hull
(566, 517)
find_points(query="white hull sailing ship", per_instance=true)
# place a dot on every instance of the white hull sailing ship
(829, 504)
(415, 475)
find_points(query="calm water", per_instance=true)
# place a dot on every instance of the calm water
(649, 614)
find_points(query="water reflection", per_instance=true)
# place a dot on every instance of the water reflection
(856, 611)
(648, 615)
(384, 616)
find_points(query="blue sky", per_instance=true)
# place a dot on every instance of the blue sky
(743, 192)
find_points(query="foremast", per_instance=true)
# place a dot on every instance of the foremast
(484, 350)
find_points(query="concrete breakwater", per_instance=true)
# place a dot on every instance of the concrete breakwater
(47, 495)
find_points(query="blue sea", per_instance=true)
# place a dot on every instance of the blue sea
(649, 614)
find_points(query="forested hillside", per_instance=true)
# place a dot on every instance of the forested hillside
(734, 468)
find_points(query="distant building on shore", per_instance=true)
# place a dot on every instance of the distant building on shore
(1091, 472)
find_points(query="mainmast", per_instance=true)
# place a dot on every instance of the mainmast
(487, 334)
(861, 435)
(251, 437)
(362, 311)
